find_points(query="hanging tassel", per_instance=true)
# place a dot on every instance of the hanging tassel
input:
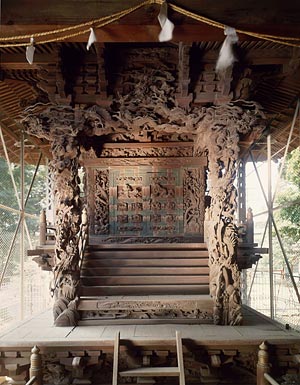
(92, 39)
(30, 51)
(226, 55)
(166, 25)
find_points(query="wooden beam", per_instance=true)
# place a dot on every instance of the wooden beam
(188, 32)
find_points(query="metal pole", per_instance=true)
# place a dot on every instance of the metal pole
(286, 149)
(270, 215)
(277, 234)
(241, 191)
(12, 177)
(22, 230)
(12, 243)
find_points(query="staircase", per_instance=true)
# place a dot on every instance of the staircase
(143, 281)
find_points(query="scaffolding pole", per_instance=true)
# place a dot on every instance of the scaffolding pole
(277, 232)
(270, 215)
(22, 232)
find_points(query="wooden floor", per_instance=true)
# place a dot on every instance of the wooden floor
(40, 330)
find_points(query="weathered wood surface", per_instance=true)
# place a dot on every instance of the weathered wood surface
(219, 135)
(148, 110)
(144, 289)
(61, 348)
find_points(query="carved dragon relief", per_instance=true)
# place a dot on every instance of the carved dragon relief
(145, 115)
(62, 131)
(218, 133)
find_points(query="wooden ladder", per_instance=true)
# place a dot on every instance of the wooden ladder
(173, 371)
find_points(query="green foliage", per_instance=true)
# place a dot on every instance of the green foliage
(289, 198)
(8, 219)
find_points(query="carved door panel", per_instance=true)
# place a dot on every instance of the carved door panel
(146, 201)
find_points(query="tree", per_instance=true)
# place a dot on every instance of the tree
(289, 198)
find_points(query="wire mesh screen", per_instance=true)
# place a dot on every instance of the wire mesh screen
(24, 289)
(284, 298)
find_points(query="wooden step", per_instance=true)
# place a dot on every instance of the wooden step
(99, 262)
(147, 254)
(135, 271)
(88, 291)
(144, 280)
(151, 372)
(139, 309)
(191, 302)
(147, 246)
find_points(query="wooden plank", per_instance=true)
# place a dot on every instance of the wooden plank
(151, 372)
(145, 321)
(116, 359)
(152, 246)
(144, 271)
(147, 254)
(144, 290)
(144, 280)
(204, 303)
(144, 262)
(180, 358)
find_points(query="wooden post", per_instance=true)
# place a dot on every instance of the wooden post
(249, 226)
(36, 366)
(263, 365)
(43, 227)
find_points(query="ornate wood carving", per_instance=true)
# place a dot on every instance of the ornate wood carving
(142, 150)
(101, 198)
(137, 308)
(61, 130)
(147, 201)
(219, 134)
(193, 200)
(149, 112)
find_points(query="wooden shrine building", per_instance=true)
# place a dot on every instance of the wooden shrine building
(146, 141)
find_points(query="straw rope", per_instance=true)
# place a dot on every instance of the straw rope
(81, 29)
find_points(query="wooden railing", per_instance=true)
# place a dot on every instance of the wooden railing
(35, 370)
(263, 366)
(270, 379)
(83, 235)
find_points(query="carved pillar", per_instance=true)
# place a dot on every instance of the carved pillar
(60, 126)
(223, 237)
(68, 205)
(218, 134)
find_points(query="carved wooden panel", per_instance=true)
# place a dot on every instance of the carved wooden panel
(193, 194)
(146, 201)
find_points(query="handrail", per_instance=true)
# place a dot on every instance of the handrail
(31, 381)
(83, 235)
(36, 367)
(270, 379)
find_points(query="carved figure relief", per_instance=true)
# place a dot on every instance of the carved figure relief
(193, 200)
(101, 199)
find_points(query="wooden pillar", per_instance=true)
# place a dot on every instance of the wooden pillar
(36, 366)
(263, 365)
(68, 219)
(43, 227)
(219, 134)
(61, 126)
